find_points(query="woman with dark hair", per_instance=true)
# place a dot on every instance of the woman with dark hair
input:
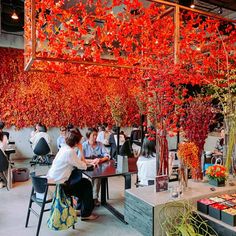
(147, 164)
(93, 149)
(104, 134)
(60, 172)
(3, 142)
(41, 133)
(5, 133)
(219, 148)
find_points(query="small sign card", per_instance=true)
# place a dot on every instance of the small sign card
(162, 183)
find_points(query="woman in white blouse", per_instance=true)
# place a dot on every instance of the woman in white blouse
(3, 142)
(147, 163)
(64, 163)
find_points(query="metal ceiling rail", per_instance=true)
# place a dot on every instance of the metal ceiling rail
(193, 10)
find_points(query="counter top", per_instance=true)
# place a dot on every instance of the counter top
(195, 191)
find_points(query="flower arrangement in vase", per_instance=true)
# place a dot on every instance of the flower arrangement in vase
(217, 175)
(188, 155)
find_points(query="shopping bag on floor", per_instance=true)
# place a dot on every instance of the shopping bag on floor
(62, 215)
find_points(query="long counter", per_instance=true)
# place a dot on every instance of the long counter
(143, 204)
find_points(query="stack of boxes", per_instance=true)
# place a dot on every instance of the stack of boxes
(222, 207)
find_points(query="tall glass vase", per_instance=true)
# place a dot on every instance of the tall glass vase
(183, 176)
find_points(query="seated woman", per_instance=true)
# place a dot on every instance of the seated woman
(42, 133)
(104, 134)
(147, 163)
(3, 142)
(219, 144)
(61, 138)
(61, 169)
(94, 149)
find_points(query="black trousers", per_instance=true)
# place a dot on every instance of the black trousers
(83, 190)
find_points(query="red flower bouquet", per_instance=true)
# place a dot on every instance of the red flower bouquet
(219, 206)
(217, 172)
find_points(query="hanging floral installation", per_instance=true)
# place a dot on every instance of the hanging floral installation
(114, 56)
(58, 99)
(109, 33)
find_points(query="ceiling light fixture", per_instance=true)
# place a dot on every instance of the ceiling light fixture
(220, 11)
(14, 16)
(192, 4)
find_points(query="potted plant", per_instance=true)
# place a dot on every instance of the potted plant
(217, 175)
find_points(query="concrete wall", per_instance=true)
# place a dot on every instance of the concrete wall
(11, 41)
(21, 138)
(23, 147)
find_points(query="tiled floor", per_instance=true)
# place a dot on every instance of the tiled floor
(14, 203)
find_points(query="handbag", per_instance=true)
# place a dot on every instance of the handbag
(62, 215)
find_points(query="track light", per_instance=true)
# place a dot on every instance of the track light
(192, 4)
(220, 11)
(14, 16)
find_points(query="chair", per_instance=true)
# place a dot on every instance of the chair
(4, 164)
(39, 186)
(41, 150)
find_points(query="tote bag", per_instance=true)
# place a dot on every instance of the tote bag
(62, 215)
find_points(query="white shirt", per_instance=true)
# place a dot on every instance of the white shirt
(34, 140)
(146, 169)
(100, 137)
(4, 143)
(121, 140)
(103, 137)
(63, 164)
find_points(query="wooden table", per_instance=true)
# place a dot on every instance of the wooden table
(103, 172)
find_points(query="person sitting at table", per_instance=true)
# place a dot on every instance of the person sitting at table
(3, 142)
(113, 142)
(61, 172)
(5, 133)
(42, 133)
(103, 136)
(99, 128)
(36, 129)
(61, 139)
(218, 151)
(94, 149)
(147, 163)
(69, 126)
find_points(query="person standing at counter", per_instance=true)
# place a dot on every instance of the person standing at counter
(93, 149)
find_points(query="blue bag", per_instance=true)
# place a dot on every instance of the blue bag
(62, 215)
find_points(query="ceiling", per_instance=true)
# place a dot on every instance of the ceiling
(7, 8)
(227, 4)
(10, 25)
